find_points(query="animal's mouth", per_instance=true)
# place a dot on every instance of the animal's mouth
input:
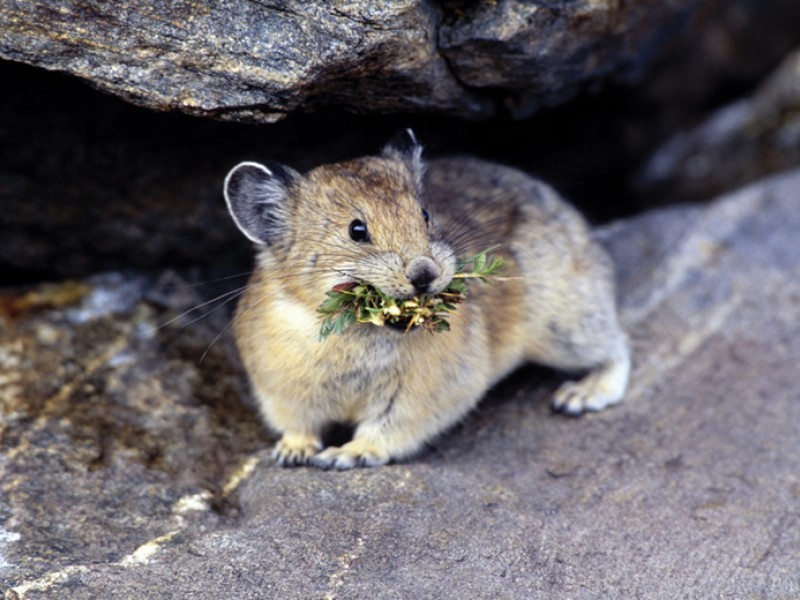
(360, 302)
(401, 325)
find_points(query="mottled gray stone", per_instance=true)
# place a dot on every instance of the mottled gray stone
(258, 61)
(252, 61)
(128, 470)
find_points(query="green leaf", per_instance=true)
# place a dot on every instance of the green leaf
(479, 263)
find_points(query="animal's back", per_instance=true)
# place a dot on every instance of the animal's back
(484, 204)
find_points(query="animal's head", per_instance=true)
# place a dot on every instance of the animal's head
(362, 220)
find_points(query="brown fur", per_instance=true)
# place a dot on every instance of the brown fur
(554, 305)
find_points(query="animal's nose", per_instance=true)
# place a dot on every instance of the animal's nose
(421, 272)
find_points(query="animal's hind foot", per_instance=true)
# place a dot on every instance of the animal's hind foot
(356, 453)
(600, 389)
(575, 398)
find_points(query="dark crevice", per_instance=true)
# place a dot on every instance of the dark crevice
(91, 183)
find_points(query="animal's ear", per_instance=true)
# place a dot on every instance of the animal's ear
(405, 147)
(257, 197)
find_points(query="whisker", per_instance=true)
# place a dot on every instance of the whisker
(235, 293)
(208, 282)
(233, 296)
(225, 330)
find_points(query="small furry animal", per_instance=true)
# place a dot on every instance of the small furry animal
(399, 224)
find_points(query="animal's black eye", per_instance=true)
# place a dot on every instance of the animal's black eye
(358, 231)
(426, 216)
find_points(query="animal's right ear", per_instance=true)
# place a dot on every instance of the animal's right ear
(405, 148)
(257, 198)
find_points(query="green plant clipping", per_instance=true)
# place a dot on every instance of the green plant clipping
(360, 302)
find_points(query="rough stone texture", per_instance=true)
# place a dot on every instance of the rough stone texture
(130, 470)
(740, 142)
(241, 60)
(258, 61)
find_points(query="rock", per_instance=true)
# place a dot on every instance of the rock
(112, 434)
(543, 51)
(720, 54)
(243, 61)
(739, 143)
(131, 469)
(259, 61)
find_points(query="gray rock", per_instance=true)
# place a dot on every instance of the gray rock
(130, 470)
(741, 142)
(545, 50)
(254, 61)
(243, 60)
(724, 50)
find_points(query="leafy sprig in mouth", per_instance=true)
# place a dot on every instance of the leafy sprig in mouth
(360, 302)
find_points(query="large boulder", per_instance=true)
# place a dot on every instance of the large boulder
(133, 465)
(531, 53)
(254, 61)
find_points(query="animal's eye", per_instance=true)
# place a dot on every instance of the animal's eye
(426, 216)
(358, 231)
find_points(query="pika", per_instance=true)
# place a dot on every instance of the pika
(400, 224)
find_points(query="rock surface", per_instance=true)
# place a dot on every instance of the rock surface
(131, 469)
(543, 51)
(258, 61)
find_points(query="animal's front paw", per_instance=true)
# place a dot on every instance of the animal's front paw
(352, 454)
(295, 449)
